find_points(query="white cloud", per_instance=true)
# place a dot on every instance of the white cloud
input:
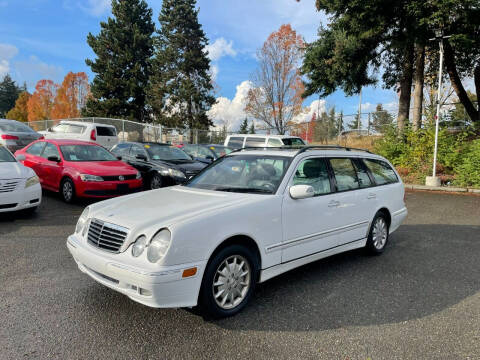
(317, 107)
(220, 48)
(231, 112)
(214, 72)
(33, 70)
(7, 52)
(96, 7)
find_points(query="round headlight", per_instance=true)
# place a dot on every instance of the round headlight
(82, 220)
(159, 245)
(139, 246)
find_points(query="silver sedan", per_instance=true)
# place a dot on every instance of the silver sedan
(15, 135)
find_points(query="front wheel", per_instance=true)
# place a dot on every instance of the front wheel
(229, 282)
(67, 190)
(155, 182)
(378, 236)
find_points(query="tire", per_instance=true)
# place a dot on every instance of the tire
(235, 286)
(67, 190)
(378, 235)
(156, 182)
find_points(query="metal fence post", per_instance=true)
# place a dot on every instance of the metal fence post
(123, 130)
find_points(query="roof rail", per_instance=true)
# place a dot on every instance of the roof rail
(302, 148)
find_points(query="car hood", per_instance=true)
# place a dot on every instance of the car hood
(163, 207)
(185, 166)
(14, 170)
(102, 168)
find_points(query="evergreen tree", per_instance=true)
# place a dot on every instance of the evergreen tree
(251, 129)
(123, 50)
(181, 88)
(9, 92)
(356, 124)
(243, 127)
(340, 125)
(332, 126)
(381, 119)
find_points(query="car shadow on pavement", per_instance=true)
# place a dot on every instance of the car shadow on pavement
(425, 269)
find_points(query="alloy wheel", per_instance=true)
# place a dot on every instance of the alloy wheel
(380, 233)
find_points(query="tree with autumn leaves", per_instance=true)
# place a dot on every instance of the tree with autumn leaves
(277, 94)
(71, 97)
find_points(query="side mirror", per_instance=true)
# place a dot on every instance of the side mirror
(54, 158)
(20, 157)
(119, 157)
(301, 192)
(141, 157)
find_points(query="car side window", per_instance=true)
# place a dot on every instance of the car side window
(137, 150)
(121, 149)
(313, 172)
(345, 174)
(36, 149)
(381, 171)
(50, 150)
(106, 131)
(255, 142)
(274, 142)
(362, 174)
(60, 128)
(235, 142)
(76, 129)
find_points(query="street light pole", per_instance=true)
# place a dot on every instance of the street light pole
(434, 180)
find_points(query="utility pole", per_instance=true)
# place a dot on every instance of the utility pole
(434, 180)
(359, 111)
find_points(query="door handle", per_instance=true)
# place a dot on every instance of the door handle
(333, 203)
(371, 196)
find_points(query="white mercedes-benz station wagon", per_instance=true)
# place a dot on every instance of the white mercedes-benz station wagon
(246, 218)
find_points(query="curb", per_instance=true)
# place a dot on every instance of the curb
(442, 188)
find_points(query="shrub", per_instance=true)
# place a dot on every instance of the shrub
(468, 168)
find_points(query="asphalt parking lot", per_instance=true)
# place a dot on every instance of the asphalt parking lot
(419, 300)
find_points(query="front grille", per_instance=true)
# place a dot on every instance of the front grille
(117, 177)
(106, 236)
(8, 185)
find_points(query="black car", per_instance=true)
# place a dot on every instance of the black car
(206, 153)
(160, 164)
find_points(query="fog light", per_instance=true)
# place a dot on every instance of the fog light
(145, 292)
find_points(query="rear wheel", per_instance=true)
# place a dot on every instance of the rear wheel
(67, 190)
(378, 236)
(228, 282)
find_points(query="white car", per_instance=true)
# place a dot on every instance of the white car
(250, 216)
(238, 141)
(19, 185)
(101, 134)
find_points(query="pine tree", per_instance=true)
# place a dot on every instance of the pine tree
(123, 48)
(332, 126)
(356, 124)
(340, 125)
(181, 89)
(381, 119)
(9, 92)
(243, 127)
(251, 129)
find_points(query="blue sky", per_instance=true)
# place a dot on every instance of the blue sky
(47, 38)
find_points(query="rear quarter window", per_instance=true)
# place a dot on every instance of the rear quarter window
(235, 142)
(106, 131)
(255, 141)
(382, 172)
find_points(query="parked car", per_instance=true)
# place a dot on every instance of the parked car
(15, 135)
(101, 134)
(80, 169)
(19, 186)
(248, 217)
(238, 141)
(160, 164)
(206, 153)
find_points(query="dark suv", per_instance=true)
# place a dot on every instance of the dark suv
(160, 164)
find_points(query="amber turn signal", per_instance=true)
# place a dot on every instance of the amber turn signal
(189, 272)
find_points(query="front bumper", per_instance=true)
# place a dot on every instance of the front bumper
(162, 288)
(21, 198)
(107, 189)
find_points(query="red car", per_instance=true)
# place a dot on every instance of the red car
(79, 169)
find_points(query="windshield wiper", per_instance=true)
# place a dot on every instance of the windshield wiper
(243, 190)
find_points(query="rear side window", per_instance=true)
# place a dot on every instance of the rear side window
(362, 175)
(76, 129)
(313, 172)
(381, 171)
(235, 142)
(254, 141)
(345, 174)
(106, 131)
(121, 149)
(36, 149)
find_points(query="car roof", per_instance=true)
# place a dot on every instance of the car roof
(72, 122)
(69, 142)
(265, 135)
(310, 150)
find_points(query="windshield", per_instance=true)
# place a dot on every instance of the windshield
(257, 174)
(166, 152)
(86, 153)
(293, 141)
(15, 126)
(5, 155)
(221, 150)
